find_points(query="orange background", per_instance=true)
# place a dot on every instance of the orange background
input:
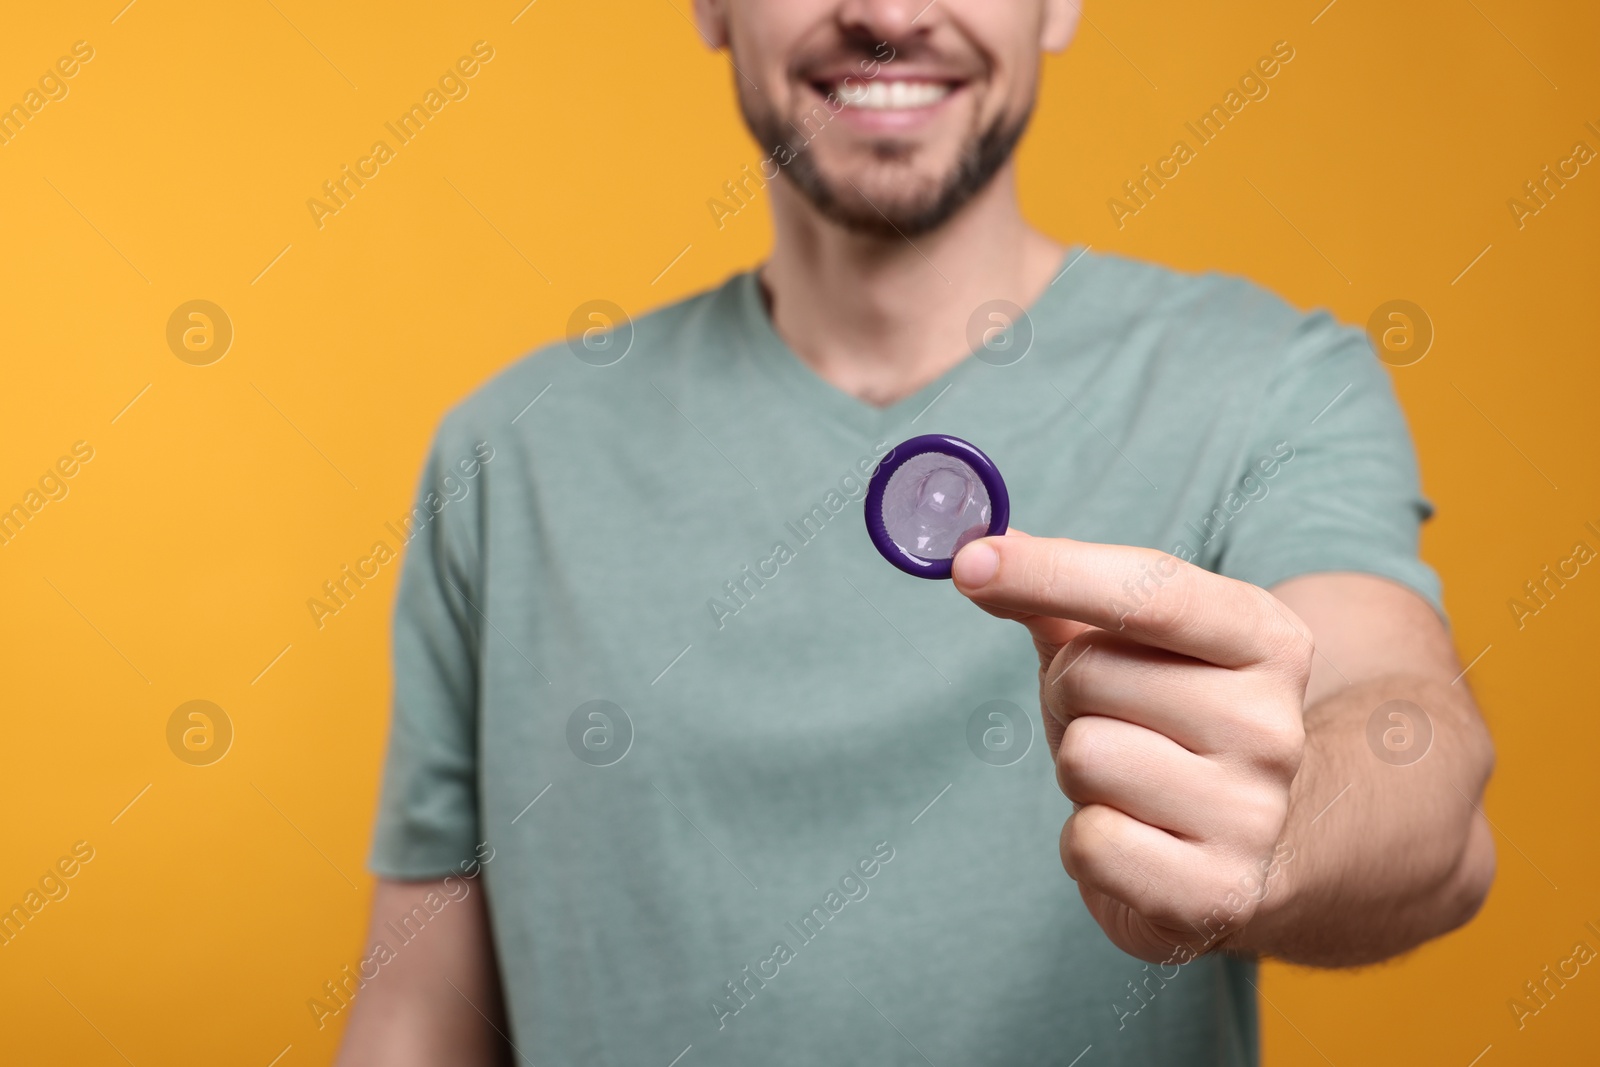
(178, 566)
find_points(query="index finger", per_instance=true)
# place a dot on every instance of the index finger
(1152, 596)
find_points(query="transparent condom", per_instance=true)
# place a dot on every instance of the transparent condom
(929, 497)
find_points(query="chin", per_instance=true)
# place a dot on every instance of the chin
(904, 185)
(876, 195)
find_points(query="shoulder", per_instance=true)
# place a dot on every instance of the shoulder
(1218, 331)
(1207, 306)
(608, 353)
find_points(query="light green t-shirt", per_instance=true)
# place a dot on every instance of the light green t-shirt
(754, 796)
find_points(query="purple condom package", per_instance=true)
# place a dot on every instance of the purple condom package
(929, 497)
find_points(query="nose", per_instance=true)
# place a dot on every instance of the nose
(887, 20)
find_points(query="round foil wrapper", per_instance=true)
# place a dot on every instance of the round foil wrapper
(929, 497)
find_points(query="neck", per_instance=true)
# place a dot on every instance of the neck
(880, 318)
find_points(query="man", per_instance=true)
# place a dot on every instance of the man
(681, 768)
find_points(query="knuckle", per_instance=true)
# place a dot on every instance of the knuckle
(1073, 669)
(1090, 832)
(1282, 742)
(1281, 735)
(1078, 843)
(1261, 819)
(1286, 639)
(1076, 756)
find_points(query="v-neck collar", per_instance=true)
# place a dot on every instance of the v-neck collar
(773, 355)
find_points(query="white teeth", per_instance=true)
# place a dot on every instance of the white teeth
(885, 95)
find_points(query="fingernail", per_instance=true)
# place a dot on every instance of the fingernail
(975, 565)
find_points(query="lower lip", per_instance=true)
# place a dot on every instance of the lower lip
(894, 120)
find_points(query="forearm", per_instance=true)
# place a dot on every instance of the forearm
(1385, 854)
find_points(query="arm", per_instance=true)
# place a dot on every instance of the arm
(1405, 853)
(1201, 726)
(409, 1015)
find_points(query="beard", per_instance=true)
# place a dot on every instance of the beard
(923, 206)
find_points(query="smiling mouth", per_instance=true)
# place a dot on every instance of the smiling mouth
(885, 94)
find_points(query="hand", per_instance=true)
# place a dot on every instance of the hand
(1172, 702)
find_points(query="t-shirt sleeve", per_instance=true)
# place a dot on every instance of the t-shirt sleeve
(427, 821)
(1332, 475)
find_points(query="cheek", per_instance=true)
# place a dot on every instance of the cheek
(764, 48)
(1006, 91)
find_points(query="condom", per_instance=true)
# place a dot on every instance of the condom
(929, 497)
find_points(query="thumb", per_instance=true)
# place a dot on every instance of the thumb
(972, 568)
